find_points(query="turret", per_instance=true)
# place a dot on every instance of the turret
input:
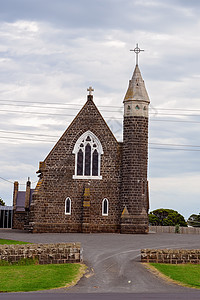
(134, 195)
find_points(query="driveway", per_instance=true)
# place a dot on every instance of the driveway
(113, 260)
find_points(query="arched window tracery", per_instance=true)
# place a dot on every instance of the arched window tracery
(88, 151)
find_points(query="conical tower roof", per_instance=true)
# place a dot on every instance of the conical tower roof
(136, 89)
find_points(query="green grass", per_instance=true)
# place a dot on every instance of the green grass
(38, 277)
(11, 242)
(21, 262)
(186, 274)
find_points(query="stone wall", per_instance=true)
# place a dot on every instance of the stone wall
(45, 253)
(170, 256)
(47, 210)
(20, 219)
(171, 229)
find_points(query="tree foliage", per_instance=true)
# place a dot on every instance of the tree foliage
(166, 217)
(194, 220)
(2, 203)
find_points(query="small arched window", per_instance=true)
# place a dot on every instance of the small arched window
(87, 152)
(68, 206)
(105, 207)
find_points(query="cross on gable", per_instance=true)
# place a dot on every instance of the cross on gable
(90, 90)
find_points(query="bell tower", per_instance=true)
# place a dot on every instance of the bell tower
(134, 192)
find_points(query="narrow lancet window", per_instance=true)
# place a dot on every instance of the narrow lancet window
(80, 162)
(105, 207)
(68, 206)
(87, 160)
(95, 163)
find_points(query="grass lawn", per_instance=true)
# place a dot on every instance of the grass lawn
(186, 274)
(11, 242)
(38, 277)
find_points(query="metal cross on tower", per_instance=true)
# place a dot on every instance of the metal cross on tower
(90, 90)
(137, 50)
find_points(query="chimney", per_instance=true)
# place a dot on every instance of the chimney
(16, 187)
(27, 195)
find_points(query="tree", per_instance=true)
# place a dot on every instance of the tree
(194, 220)
(2, 203)
(166, 217)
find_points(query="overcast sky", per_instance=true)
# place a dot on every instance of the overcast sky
(52, 51)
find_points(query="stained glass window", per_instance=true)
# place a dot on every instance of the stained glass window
(95, 163)
(88, 151)
(80, 163)
(87, 160)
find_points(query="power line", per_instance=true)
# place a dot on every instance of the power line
(175, 145)
(176, 121)
(102, 110)
(55, 103)
(13, 181)
(56, 136)
(6, 180)
(182, 109)
(35, 113)
(25, 139)
(38, 102)
(161, 148)
(81, 105)
(27, 133)
(120, 107)
(114, 118)
(185, 115)
(49, 107)
(174, 149)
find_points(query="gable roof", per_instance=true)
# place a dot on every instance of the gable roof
(88, 108)
(20, 201)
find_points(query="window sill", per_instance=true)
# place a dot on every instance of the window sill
(86, 177)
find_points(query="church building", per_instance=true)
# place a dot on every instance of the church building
(90, 182)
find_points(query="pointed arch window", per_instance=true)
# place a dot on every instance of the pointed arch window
(105, 207)
(88, 151)
(68, 206)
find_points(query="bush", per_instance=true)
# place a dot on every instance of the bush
(194, 220)
(166, 217)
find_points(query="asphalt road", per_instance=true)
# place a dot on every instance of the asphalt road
(114, 268)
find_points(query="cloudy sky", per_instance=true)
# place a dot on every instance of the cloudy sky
(52, 51)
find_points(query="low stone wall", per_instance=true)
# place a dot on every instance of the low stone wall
(20, 218)
(45, 253)
(170, 256)
(171, 229)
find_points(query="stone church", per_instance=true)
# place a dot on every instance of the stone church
(90, 182)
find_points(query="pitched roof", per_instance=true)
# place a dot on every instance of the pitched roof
(136, 89)
(88, 109)
(20, 202)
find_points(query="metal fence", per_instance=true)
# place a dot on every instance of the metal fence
(6, 213)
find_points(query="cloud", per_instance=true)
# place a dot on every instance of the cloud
(52, 51)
